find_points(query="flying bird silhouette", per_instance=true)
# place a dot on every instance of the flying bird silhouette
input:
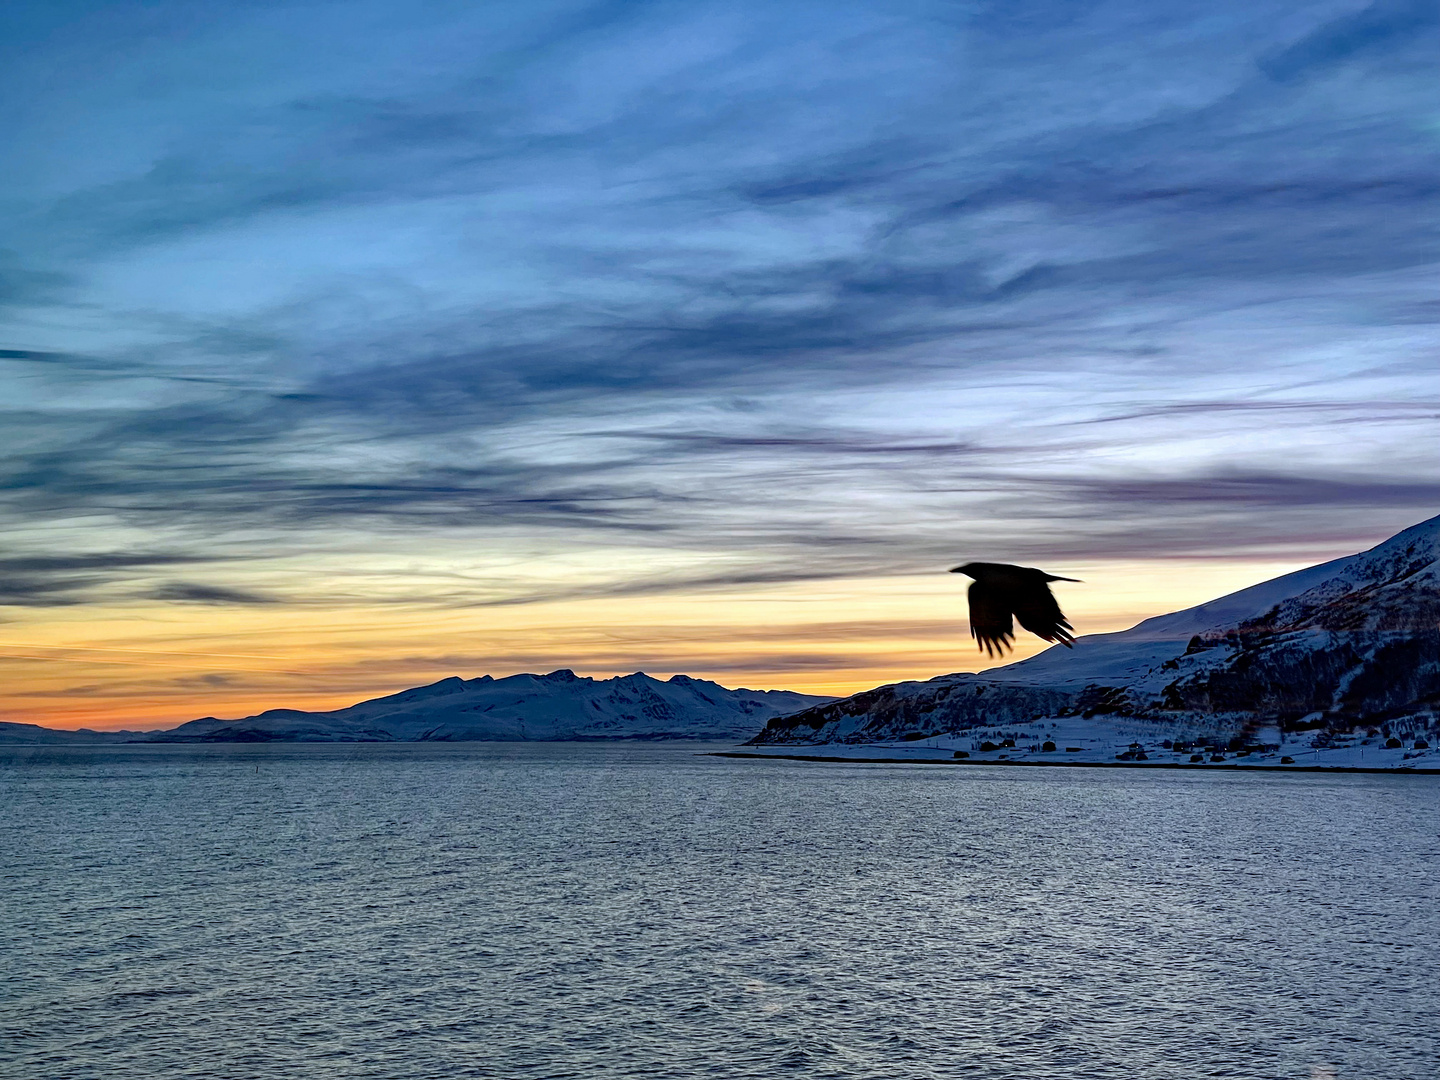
(1000, 591)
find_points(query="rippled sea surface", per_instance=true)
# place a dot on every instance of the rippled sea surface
(554, 910)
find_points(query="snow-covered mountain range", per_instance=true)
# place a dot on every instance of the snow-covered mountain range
(1347, 644)
(560, 705)
(1350, 645)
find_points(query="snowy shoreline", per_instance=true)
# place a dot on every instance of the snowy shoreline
(1126, 742)
(1070, 763)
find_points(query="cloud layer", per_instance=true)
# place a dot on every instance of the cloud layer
(771, 294)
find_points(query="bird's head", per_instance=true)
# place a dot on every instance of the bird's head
(970, 569)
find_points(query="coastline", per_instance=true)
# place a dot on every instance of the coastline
(1204, 766)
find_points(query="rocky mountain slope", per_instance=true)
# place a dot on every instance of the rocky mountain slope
(1348, 644)
(560, 705)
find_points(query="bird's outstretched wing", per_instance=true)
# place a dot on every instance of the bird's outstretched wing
(1038, 612)
(990, 621)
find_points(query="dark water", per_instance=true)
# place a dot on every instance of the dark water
(527, 911)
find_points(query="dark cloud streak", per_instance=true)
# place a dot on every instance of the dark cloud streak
(193, 593)
(63, 580)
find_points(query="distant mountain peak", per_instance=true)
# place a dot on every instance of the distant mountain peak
(557, 705)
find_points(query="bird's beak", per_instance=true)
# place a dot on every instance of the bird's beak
(957, 569)
(1053, 577)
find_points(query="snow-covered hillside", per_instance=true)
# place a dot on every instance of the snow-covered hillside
(1347, 644)
(560, 705)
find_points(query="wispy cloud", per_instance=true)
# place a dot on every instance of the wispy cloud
(818, 296)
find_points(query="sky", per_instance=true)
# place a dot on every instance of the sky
(349, 346)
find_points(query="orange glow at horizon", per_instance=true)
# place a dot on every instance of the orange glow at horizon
(152, 665)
